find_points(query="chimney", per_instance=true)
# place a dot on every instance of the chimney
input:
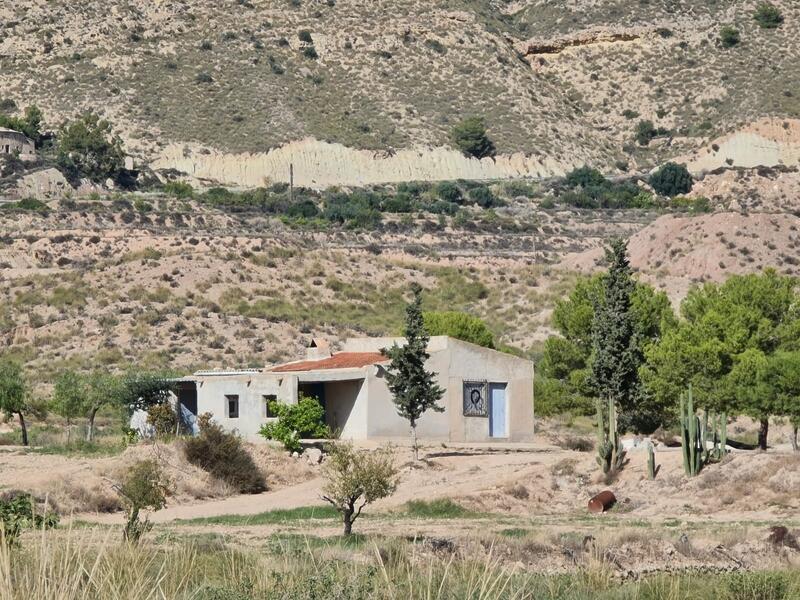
(318, 349)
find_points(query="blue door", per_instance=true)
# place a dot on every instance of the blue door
(497, 410)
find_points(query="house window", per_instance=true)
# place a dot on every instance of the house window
(233, 406)
(268, 398)
(475, 399)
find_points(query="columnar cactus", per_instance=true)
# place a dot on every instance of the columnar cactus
(651, 461)
(610, 454)
(691, 436)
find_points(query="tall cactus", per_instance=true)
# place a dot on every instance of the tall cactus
(610, 454)
(691, 436)
(651, 461)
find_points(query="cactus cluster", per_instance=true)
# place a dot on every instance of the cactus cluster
(696, 436)
(610, 454)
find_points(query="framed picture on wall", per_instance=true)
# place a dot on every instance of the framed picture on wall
(475, 399)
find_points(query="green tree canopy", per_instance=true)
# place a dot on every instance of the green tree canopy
(725, 344)
(14, 393)
(671, 180)
(88, 147)
(562, 379)
(459, 325)
(29, 124)
(471, 138)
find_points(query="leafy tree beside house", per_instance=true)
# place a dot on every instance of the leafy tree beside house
(471, 138)
(14, 393)
(29, 124)
(414, 390)
(459, 325)
(88, 147)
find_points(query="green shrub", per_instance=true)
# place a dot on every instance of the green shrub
(442, 508)
(179, 189)
(304, 35)
(310, 52)
(459, 325)
(729, 36)
(483, 197)
(671, 180)
(699, 204)
(18, 510)
(449, 192)
(223, 454)
(162, 418)
(585, 177)
(304, 420)
(471, 138)
(768, 16)
(646, 131)
(515, 189)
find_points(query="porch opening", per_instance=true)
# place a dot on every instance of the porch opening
(338, 400)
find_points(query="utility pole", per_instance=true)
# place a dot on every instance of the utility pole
(291, 183)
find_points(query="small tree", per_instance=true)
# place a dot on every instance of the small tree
(14, 393)
(304, 420)
(30, 124)
(355, 480)
(103, 388)
(729, 36)
(768, 16)
(671, 180)
(69, 397)
(89, 147)
(414, 390)
(459, 325)
(144, 487)
(470, 137)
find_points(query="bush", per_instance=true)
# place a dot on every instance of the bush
(700, 204)
(449, 192)
(304, 35)
(162, 418)
(483, 197)
(223, 455)
(310, 52)
(179, 189)
(461, 326)
(646, 131)
(88, 147)
(18, 510)
(145, 487)
(768, 16)
(585, 177)
(470, 137)
(729, 36)
(304, 420)
(671, 180)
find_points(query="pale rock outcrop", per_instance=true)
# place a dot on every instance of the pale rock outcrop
(319, 164)
(43, 185)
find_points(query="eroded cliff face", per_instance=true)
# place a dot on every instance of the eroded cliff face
(319, 164)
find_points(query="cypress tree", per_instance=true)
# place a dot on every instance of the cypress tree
(616, 355)
(414, 389)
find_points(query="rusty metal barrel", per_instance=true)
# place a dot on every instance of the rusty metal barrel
(602, 502)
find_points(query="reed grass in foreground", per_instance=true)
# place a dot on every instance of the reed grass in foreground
(58, 565)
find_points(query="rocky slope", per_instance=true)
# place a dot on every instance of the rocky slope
(562, 82)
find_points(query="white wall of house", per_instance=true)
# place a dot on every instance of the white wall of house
(360, 405)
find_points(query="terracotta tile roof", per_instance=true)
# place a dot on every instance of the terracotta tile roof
(342, 360)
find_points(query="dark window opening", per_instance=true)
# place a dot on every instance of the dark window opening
(268, 399)
(233, 406)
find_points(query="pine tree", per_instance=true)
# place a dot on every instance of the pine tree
(616, 353)
(414, 390)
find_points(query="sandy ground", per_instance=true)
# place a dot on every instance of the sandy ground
(532, 480)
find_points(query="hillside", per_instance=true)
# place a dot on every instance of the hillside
(565, 82)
